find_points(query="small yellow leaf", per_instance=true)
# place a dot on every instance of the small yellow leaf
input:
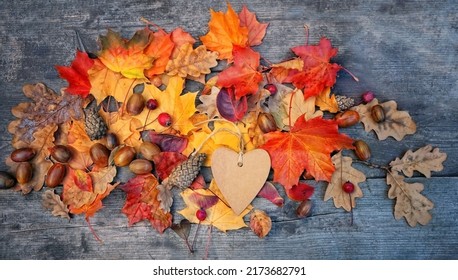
(327, 102)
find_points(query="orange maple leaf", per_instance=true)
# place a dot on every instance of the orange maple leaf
(243, 75)
(76, 74)
(126, 56)
(256, 30)
(307, 146)
(317, 73)
(159, 49)
(225, 32)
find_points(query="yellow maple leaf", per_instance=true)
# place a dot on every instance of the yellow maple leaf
(219, 215)
(299, 106)
(105, 82)
(126, 56)
(181, 107)
(327, 102)
(225, 31)
(191, 62)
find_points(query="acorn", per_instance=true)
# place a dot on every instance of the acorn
(112, 141)
(99, 154)
(148, 150)
(135, 104)
(140, 166)
(24, 172)
(124, 156)
(304, 209)
(378, 113)
(61, 153)
(362, 150)
(22, 154)
(266, 122)
(55, 175)
(6, 180)
(347, 118)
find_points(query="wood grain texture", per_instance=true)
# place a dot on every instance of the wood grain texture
(402, 50)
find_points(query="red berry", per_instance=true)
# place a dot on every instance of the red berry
(164, 119)
(201, 214)
(367, 97)
(271, 88)
(348, 187)
(152, 104)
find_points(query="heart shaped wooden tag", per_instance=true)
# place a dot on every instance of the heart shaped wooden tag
(240, 178)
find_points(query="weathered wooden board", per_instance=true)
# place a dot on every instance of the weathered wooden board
(401, 50)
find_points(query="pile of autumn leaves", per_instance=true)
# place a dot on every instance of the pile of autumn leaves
(156, 64)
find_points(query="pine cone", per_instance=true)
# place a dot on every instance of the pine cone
(184, 174)
(94, 124)
(344, 102)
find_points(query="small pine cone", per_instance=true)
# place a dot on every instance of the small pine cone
(344, 102)
(184, 174)
(94, 124)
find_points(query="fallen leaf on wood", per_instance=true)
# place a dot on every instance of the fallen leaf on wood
(270, 193)
(256, 30)
(160, 49)
(191, 62)
(344, 172)
(410, 203)
(397, 124)
(52, 202)
(260, 223)
(76, 74)
(423, 160)
(327, 101)
(300, 192)
(281, 71)
(208, 105)
(300, 107)
(229, 106)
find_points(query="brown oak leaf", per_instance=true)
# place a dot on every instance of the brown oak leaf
(53, 202)
(397, 124)
(422, 160)
(410, 203)
(260, 223)
(191, 62)
(47, 108)
(208, 105)
(344, 172)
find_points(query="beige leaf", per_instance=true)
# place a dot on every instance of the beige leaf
(327, 101)
(260, 223)
(101, 178)
(422, 160)
(208, 105)
(410, 203)
(191, 62)
(299, 107)
(52, 202)
(344, 172)
(397, 124)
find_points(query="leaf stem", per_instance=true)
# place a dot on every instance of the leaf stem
(290, 108)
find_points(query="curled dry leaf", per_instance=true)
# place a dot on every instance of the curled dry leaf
(191, 62)
(410, 203)
(397, 124)
(260, 223)
(344, 172)
(270, 193)
(423, 160)
(52, 202)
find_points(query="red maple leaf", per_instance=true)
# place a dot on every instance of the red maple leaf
(76, 74)
(243, 75)
(307, 146)
(317, 73)
(142, 204)
(256, 30)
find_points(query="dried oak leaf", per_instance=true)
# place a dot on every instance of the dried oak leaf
(344, 172)
(295, 105)
(181, 107)
(225, 32)
(327, 101)
(260, 223)
(76, 74)
(53, 203)
(317, 72)
(256, 30)
(142, 203)
(44, 139)
(243, 75)
(307, 145)
(47, 108)
(397, 124)
(208, 105)
(423, 160)
(191, 62)
(126, 56)
(410, 203)
(218, 215)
